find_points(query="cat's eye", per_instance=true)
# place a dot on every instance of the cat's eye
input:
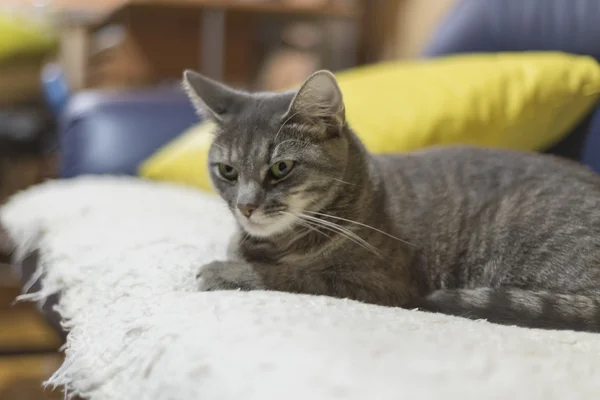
(282, 168)
(228, 172)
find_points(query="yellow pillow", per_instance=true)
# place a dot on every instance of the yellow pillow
(20, 35)
(523, 101)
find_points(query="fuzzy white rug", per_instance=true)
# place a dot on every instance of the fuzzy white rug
(123, 255)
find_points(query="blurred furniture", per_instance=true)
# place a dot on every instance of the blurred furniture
(142, 42)
(113, 131)
(25, 42)
(28, 345)
(27, 145)
(475, 26)
(472, 26)
(26, 126)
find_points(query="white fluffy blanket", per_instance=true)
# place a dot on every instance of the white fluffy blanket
(123, 254)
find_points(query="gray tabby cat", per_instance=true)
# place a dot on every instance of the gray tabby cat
(510, 237)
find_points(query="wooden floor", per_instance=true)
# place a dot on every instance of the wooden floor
(21, 377)
(28, 346)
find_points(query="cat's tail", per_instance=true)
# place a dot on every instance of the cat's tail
(534, 309)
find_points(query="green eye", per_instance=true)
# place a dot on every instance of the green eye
(282, 168)
(228, 172)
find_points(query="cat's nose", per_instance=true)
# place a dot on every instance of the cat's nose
(247, 209)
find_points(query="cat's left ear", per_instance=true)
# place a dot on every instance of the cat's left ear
(212, 99)
(319, 100)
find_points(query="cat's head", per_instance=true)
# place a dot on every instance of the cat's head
(275, 155)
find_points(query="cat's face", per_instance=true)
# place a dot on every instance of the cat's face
(275, 156)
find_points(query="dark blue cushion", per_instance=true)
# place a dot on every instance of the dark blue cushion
(591, 148)
(112, 132)
(571, 26)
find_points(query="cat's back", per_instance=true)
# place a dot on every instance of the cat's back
(456, 184)
(483, 170)
(464, 206)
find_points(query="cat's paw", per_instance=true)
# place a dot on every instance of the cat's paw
(228, 275)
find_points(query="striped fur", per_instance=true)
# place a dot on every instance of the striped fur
(535, 309)
(513, 238)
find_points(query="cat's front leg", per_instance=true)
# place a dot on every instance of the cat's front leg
(228, 275)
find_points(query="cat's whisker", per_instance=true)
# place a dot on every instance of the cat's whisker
(244, 238)
(341, 181)
(344, 232)
(363, 225)
(291, 140)
(305, 224)
(351, 236)
(331, 229)
(220, 146)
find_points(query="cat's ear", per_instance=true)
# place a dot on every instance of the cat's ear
(319, 100)
(211, 98)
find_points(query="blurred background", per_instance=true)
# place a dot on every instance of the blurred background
(51, 50)
(85, 55)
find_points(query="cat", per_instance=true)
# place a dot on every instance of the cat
(509, 237)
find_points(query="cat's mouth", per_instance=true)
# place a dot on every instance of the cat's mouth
(264, 225)
(255, 222)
